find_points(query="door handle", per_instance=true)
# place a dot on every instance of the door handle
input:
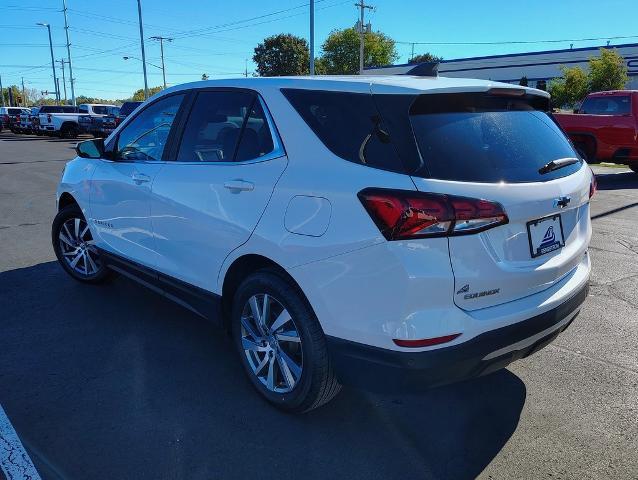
(140, 178)
(239, 185)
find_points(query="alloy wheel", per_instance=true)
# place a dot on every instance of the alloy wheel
(272, 343)
(76, 246)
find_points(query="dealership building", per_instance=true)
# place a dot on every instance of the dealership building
(536, 66)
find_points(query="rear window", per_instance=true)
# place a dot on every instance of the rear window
(486, 138)
(100, 109)
(128, 107)
(607, 105)
(348, 124)
(58, 109)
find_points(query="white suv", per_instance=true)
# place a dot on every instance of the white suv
(385, 232)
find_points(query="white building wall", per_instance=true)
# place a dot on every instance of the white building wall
(534, 65)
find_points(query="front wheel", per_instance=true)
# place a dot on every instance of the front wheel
(74, 248)
(281, 344)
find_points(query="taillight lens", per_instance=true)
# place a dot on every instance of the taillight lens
(401, 214)
(593, 185)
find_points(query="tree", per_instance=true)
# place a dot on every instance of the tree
(138, 96)
(607, 72)
(425, 58)
(571, 88)
(523, 82)
(283, 54)
(341, 51)
(204, 76)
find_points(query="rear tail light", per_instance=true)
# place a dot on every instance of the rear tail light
(593, 185)
(401, 214)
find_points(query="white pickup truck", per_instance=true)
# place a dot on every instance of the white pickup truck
(63, 120)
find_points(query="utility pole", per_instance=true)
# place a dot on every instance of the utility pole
(161, 40)
(363, 29)
(62, 62)
(246, 68)
(55, 78)
(68, 54)
(312, 37)
(2, 91)
(139, 14)
(57, 89)
(24, 97)
(412, 56)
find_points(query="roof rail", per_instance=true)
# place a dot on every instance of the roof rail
(425, 69)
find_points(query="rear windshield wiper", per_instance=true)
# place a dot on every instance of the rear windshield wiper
(556, 164)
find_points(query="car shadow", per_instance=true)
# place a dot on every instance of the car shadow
(44, 138)
(114, 381)
(616, 181)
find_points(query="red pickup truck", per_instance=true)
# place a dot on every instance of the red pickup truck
(605, 127)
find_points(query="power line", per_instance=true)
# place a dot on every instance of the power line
(222, 27)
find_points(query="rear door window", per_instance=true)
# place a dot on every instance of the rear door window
(348, 124)
(607, 105)
(225, 126)
(484, 138)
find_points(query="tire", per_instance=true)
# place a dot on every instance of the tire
(69, 131)
(71, 242)
(297, 345)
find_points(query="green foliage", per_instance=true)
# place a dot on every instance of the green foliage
(138, 96)
(341, 51)
(425, 57)
(523, 82)
(607, 72)
(16, 93)
(283, 54)
(571, 88)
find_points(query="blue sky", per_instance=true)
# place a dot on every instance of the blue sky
(102, 32)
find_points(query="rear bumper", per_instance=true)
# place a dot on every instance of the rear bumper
(378, 369)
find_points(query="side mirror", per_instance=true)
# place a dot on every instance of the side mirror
(91, 148)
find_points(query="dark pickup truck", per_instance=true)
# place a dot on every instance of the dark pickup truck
(605, 127)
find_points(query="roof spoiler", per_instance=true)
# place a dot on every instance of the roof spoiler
(425, 69)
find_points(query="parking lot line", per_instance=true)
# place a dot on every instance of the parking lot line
(14, 460)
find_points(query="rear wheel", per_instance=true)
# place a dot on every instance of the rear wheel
(69, 131)
(74, 248)
(281, 345)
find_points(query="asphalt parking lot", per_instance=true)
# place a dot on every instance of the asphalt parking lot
(115, 382)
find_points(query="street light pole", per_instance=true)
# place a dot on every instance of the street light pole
(55, 78)
(312, 37)
(161, 40)
(139, 14)
(68, 54)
